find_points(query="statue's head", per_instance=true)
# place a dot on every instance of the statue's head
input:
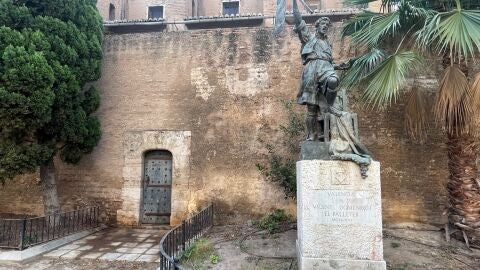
(322, 26)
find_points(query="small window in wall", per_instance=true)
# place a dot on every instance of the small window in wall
(111, 13)
(155, 12)
(231, 7)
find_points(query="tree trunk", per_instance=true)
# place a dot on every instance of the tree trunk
(49, 187)
(464, 186)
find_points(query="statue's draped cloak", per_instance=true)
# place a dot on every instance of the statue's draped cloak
(318, 67)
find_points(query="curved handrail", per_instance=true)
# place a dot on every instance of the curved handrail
(178, 239)
(166, 261)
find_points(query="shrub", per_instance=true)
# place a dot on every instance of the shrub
(280, 167)
(272, 221)
(199, 252)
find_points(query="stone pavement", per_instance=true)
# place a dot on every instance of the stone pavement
(46, 263)
(114, 244)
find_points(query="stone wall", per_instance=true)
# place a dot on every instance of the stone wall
(22, 196)
(103, 7)
(224, 87)
(213, 8)
(138, 9)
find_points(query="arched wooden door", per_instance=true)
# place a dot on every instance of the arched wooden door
(157, 188)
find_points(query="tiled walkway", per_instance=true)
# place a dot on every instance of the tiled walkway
(141, 245)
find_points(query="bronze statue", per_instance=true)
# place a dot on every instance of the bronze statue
(318, 91)
(319, 82)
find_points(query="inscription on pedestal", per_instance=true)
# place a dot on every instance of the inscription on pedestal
(336, 176)
(339, 216)
(343, 207)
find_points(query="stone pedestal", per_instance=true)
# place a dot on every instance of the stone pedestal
(339, 216)
(311, 150)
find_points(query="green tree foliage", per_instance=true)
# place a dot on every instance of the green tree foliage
(49, 51)
(421, 29)
(280, 167)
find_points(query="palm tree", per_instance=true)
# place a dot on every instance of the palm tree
(397, 40)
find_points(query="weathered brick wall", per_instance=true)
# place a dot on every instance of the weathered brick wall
(323, 4)
(103, 7)
(225, 86)
(21, 196)
(173, 10)
(212, 8)
(138, 9)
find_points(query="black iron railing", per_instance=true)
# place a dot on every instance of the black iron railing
(23, 233)
(176, 241)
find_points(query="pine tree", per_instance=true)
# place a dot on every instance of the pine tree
(49, 52)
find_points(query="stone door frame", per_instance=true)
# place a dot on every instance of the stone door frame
(135, 145)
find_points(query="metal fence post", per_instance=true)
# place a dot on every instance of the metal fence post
(22, 233)
(212, 211)
(184, 227)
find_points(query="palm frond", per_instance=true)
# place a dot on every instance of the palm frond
(414, 11)
(361, 67)
(457, 32)
(425, 36)
(384, 83)
(377, 27)
(416, 115)
(451, 107)
(475, 92)
(474, 104)
(357, 22)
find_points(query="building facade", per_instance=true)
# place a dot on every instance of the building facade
(185, 116)
(177, 10)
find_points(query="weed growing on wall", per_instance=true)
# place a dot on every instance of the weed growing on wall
(282, 155)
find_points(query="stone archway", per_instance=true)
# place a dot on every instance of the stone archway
(135, 145)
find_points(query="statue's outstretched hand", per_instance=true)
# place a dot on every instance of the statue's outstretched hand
(342, 66)
(345, 65)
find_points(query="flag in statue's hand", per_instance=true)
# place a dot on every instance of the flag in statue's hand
(280, 17)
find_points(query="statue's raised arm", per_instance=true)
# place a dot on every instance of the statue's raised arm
(296, 14)
(300, 26)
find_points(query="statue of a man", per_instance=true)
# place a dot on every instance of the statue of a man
(318, 88)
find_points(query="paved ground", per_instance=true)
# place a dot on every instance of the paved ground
(242, 248)
(44, 263)
(139, 245)
(111, 248)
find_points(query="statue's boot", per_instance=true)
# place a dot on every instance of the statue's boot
(311, 123)
(331, 95)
